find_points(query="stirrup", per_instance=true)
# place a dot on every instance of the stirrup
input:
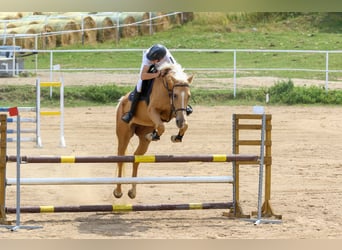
(189, 110)
(127, 117)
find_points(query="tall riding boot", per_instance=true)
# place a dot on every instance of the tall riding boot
(129, 115)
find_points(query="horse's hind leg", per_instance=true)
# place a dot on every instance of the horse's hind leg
(141, 150)
(118, 191)
(123, 140)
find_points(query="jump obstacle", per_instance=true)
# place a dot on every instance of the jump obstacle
(31, 120)
(38, 113)
(237, 160)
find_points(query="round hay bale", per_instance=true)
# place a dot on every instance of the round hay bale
(5, 38)
(45, 40)
(11, 25)
(126, 23)
(106, 29)
(69, 31)
(161, 22)
(10, 15)
(26, 14)
(145, 24)
(20, 23)
(23, 37)
(89, 25)
(90, 29)
(176, 19)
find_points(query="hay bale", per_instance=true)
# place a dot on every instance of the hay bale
(23, 37)
(21, 22)
(127, 24)
(145, 23)
(4, 34)
(89, 25)
(70, 31)
(176, 19)
(161, 22)
(28, 42)
(106, 29)
(45, 40)
(10, 15)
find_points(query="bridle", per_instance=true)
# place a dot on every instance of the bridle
(170, 91)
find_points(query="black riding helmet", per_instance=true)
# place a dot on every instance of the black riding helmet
(156, 52)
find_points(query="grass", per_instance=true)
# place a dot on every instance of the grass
(281, 93)
(217, 31)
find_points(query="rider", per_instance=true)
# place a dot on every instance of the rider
(155, 55)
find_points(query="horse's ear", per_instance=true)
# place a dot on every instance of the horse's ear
(173, 79)
(164, 72)
(190, 79)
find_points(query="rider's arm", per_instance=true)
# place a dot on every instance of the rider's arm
(146, 76)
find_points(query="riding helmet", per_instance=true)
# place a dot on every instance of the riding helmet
(156, 52)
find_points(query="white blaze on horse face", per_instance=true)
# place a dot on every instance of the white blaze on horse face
(180, 114)
(183, 102)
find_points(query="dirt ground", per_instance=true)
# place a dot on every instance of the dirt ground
(306, 173)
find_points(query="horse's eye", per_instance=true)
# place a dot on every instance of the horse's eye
(175, 96)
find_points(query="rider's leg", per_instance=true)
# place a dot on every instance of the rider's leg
(136, 95)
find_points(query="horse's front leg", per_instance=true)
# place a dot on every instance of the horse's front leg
(159, 127)
(181, 132)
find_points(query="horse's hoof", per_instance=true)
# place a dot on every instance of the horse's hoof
(116, 194)
(176, 138)
(131, 194)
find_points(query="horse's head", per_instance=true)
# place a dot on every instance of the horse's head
(178, 85)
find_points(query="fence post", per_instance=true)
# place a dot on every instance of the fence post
(3, 141)
(234, 72)
(326, 71)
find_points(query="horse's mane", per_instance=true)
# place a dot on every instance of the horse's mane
(175, 69)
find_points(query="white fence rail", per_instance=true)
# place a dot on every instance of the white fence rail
(326, 66)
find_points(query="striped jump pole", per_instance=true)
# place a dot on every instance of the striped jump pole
(135, 158)
(119, 208)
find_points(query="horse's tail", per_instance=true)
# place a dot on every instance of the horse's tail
(119, 108)
(119, 112)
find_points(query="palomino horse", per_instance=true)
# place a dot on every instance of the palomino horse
(168, 99)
